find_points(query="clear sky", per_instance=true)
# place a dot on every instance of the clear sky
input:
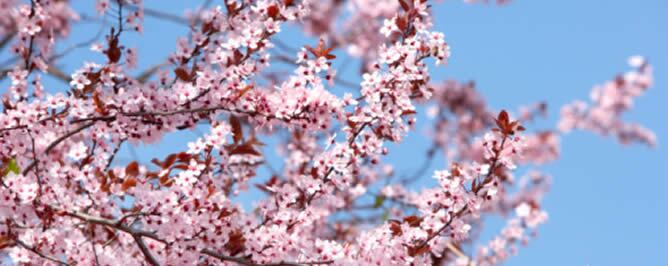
(608, 204)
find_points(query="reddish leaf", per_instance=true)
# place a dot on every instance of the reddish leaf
(503, 117)
(244, 90)
(113, 52)
(245, 149)
(454, 170)
(182, 74)
(351, 124)
(129, 183)
(210, 190)
(94, 78)
(236, 59)
(166, 181)
(413, 220)
(415, 251)
(231, 7)
(132, 169)
(207, 28)
(225, 213)
(238, 134)
(236, 243)
(408, 112)
(168, 161)
(151, 175)
(272, 11)
(181, 166)
(100, 107)
(404, 5)
(395, 227)
(402, 23)
(6, 241)
(321, 50)
(184, 157)
(113, 178)
(272, 181)
(105, 185)
(254, 141)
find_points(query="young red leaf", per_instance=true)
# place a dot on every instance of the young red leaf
(237, 133)
(132, 169)
(182, 74)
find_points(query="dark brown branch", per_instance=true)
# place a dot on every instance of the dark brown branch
(97, 260)
(147, 253)
(40, 185)
(113, 155)
(58, 74)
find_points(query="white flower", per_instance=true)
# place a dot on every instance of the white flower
(492, 192)
(636, 61)
(523, 210)
(484, 169)
(272, 26)
(79, 81)
(31, 28)
(319, 64)
(78, 151)
(388, 27)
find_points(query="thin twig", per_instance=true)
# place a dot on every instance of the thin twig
(113, 155)
(56, 142)
(6, 39)
(44, 256)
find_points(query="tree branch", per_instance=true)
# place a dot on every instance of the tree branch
(147, 253)
(44, 256)
(137, 234)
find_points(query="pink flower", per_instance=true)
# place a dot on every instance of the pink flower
(523, 210)
(389, 26)
(131, 58)
(79, 81)
(18, 76)
(272, 26)
(78, 151)
(319, 64)
(31, 28)
(101, 6)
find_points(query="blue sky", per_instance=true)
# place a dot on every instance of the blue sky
(608, 204)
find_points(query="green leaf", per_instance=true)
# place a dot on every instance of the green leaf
(13, 167)
(379, 202)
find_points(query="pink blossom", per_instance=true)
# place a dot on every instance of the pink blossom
(78, 151)
(101, 6)
(278, 126)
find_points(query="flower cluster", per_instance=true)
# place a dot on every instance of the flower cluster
(609, 102)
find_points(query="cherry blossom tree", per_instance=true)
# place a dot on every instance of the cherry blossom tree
(65, 201)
